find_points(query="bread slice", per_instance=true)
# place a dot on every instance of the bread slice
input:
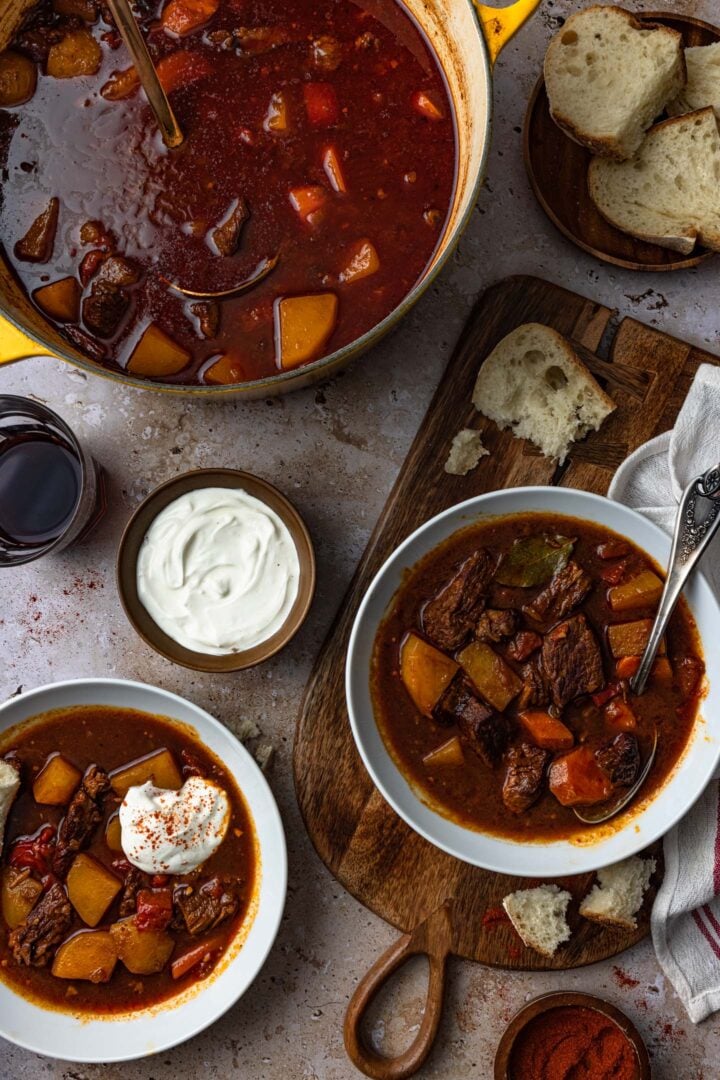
(9, 784)
(538, 915)
(618, 896)
(608, 77)
(534, 382)
(669, 194)
(703, 81)
(465, 452)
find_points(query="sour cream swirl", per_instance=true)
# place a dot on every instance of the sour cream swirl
(218, 571)
(172, 832)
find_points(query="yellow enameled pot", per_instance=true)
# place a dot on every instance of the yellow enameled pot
(467, 38)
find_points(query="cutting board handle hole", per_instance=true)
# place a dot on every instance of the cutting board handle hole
(376, 994)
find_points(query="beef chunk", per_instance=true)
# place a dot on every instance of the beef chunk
(535, 689)
(204, 908)
(525, 776)
(226, 235)
(83, 816)
(571, 660)
(524, 644)
(485, 732)
(568, 588)
(118, 271)
(451, 615)
(33, 942)
(496, 625)
(620, 759)
(104, 307)
(689, 671)
(135, 880)
(256, 40)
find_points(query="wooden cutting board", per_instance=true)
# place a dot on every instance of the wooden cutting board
(364, 844)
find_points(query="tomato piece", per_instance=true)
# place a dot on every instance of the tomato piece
(154, 909)
(613, 575)
(427, 103)
(308, 201)
(182, 68)
(606, 694)
(321, 104)
(34, 852)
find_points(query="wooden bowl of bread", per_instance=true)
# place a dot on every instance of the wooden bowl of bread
(621, 137)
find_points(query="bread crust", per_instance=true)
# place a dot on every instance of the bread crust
(604, 146)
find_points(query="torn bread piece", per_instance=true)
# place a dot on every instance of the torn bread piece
(9, 785)
(466, 450)
(534, 383)
(618, 896)
(539, 916)
(703, 81)
(608, 77)
(669, 194)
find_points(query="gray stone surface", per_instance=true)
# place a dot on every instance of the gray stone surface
(335, 451)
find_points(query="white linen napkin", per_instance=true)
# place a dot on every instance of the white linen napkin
(685, 918)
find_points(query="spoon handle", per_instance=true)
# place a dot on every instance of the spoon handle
(135, 44)
(697, 522)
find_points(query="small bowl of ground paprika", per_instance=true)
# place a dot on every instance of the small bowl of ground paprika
(559, 1035)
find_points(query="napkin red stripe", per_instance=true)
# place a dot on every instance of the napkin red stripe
(716, 868)
(706, 933)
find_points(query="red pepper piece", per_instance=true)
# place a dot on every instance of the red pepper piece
(34, 852)
(154, 909)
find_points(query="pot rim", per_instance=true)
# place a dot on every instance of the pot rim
(315, 371)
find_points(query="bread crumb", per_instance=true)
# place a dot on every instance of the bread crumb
(466, 450)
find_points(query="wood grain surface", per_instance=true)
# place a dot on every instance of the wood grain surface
(557, 168)
(366, 846)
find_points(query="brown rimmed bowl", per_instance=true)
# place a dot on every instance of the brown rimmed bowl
(545, 1004)
(134, 535)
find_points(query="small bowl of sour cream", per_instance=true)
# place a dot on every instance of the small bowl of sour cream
(216, 570)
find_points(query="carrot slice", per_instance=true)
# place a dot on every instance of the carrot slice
(195, 955)
(546, 731)
(427, 103)
(626, 666)
(333, 170)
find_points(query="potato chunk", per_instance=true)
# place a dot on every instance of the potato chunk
(304, 324)
(18, 79)
(642, 591)
(630, 639)
(425, 671)
(91, 888)
(157, 354)
(60, 299)
(496, 680)
(77, 54)
(113, 833)
(225, 370)
(277, 118)
(143, 952)
(89, 954)
(55, 784)
(159, 767)
(18, 895)
(448, 753)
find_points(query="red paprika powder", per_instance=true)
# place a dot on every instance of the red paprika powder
(573, 1043)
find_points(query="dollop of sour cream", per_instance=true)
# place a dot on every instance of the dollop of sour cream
(218, 571)
(172, 832)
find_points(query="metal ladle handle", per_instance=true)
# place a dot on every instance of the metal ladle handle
(135, 44)
(697, 521)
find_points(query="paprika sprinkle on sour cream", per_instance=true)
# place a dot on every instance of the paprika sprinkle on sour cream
(573, 1043)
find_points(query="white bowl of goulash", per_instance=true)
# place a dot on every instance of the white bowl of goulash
(488, 678)
(143, 870)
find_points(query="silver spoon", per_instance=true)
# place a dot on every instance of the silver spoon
(135, 45)
(697, 521)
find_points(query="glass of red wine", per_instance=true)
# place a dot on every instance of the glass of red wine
(51, 491)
